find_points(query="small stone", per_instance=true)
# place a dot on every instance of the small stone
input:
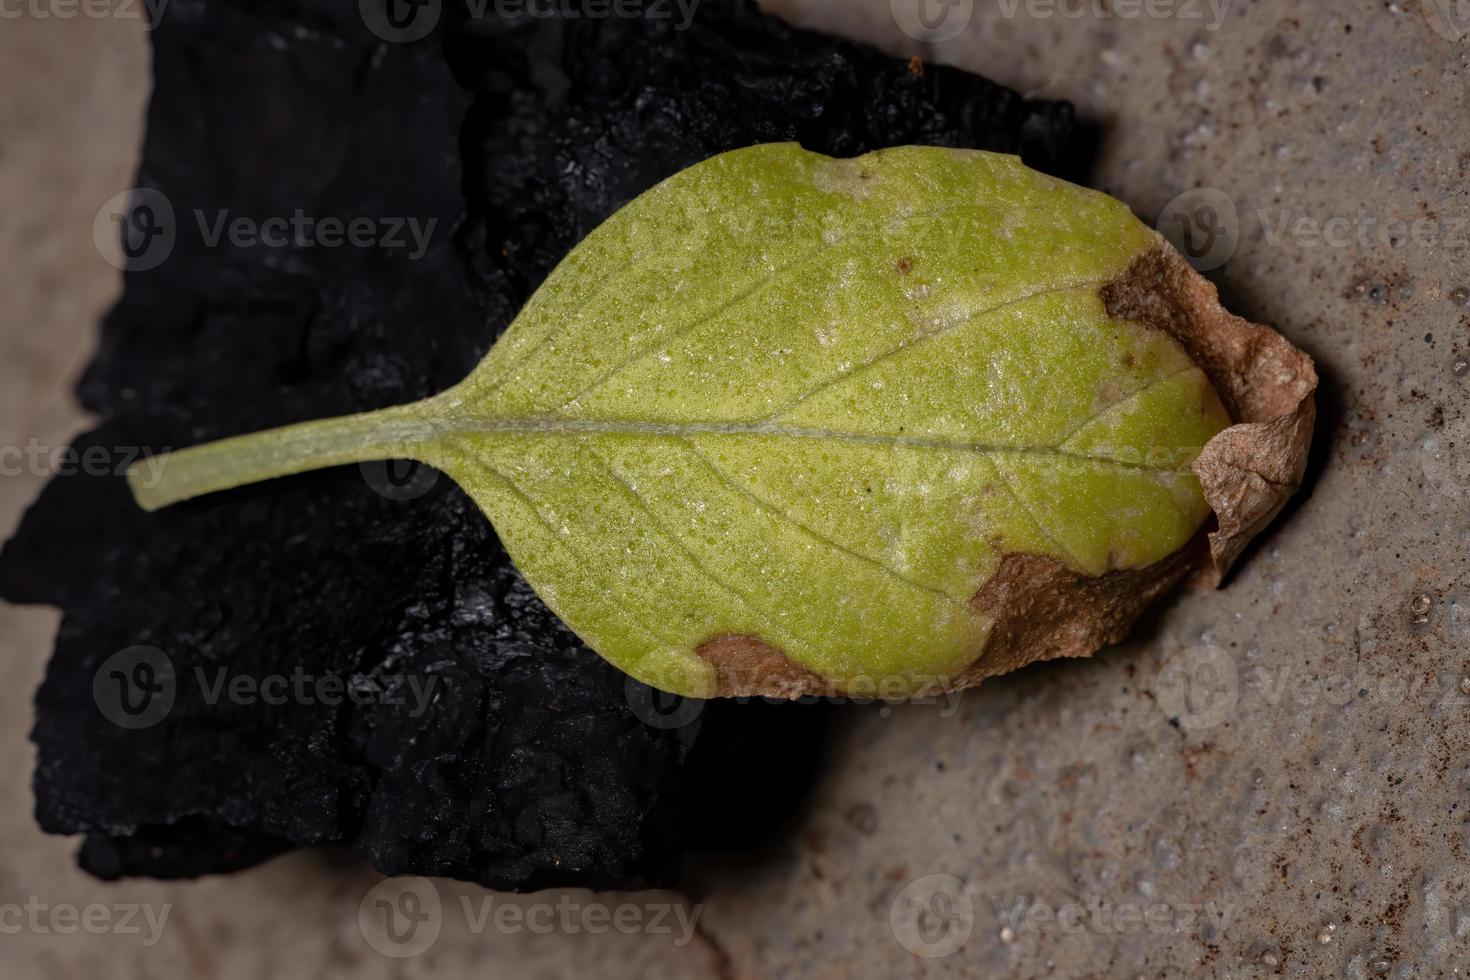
(1007, 934)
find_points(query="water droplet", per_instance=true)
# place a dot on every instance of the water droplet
(1419, 609)
(1460, 296)
(1264, 952)
(1465, 684)
(1328, 931)
(1379, 965)
(1460, 367)
(1199, 50)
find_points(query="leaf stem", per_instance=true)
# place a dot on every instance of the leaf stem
(390, 433)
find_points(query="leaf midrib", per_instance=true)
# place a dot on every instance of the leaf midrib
(429, 430)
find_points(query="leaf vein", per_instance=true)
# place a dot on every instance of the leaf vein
(745, 293)
(1123, 402)
(955, 324)
(581, 427)
(1025, 505)
(694, 559)
(781, 514)
(530, 504)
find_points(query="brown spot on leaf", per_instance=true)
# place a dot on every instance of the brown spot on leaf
(1041, 610)
(748, 666)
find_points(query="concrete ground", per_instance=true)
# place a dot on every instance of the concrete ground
(1272, 779)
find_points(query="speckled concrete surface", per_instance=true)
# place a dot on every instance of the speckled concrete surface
(1273, 779)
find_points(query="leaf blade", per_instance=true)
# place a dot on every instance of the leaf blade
(815, 404)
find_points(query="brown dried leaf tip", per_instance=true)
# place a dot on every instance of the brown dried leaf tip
(1249, 470)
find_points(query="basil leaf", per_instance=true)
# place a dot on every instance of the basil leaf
(777, 424)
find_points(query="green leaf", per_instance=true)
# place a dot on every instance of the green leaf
(791, 412)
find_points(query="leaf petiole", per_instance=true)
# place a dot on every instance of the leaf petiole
(390, 433)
